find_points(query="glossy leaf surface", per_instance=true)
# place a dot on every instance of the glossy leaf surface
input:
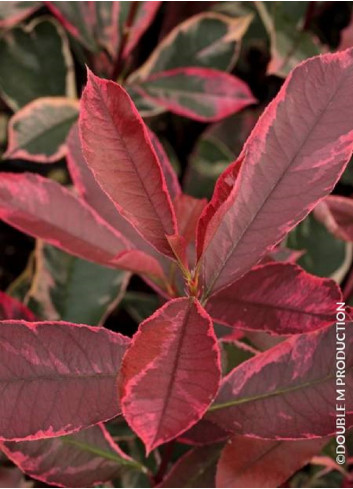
(292, 159)
(44, 75)
(208, 40)
(166, 388)
(279, 298)
(294, 383)
(38, 131)
(72, 289)
(198, 93)
(81, 459)
(35, 205)
(69, 371)
(124, 163)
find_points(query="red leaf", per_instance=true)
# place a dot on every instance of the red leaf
(222, 190)
(11, 308)
(167, 387)
(287, 392)
(145, 259)
(56, 378)
(124, 162)
(46, 210)
(247, 462)
(42, 208)
(188, 210)
(197, 468)
(202, 94)
(82, 459)
(92, 193)
(292, 159)
(336, 213)
(282, 254)
(204, 432)
(144, 18)
(168, 171)
(279, 298)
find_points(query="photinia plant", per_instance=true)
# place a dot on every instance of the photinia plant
(212, 264)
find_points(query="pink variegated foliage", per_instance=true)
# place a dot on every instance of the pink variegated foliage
(212, 265)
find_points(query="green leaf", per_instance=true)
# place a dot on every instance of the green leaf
(233, 355)
(208, 40)
(38, 131)
(324, 254)
(93, 24)
(71, 289)
(146, 107)
(140, 305)
(215, 149)
(208, 161)
(202, 94)
(290, 44)
(30, 71)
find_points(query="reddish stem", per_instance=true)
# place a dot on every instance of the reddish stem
(167, 454)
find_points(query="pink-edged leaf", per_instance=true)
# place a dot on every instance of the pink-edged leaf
(11, 13)
(247, 462)
(142, 20)
(144, 259)
(78, 19)
(37, 132)
(208, 39)
(167, 387)
(89, 190)
(222, 190)
(94, 24)
(168, 171)
(11, 308)
(202, 94)
(292, 384)
(336, 213)
(197, 468)
(46, 210)
(139, 262)
(81, 459)
(124, 162)
(56, 378)
(293, 158)
(280, 298)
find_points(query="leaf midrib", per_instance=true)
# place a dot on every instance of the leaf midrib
(176, 359)
(59, 377)
(266, 305)
(137, 173)
(269, 194)
(244, 400)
